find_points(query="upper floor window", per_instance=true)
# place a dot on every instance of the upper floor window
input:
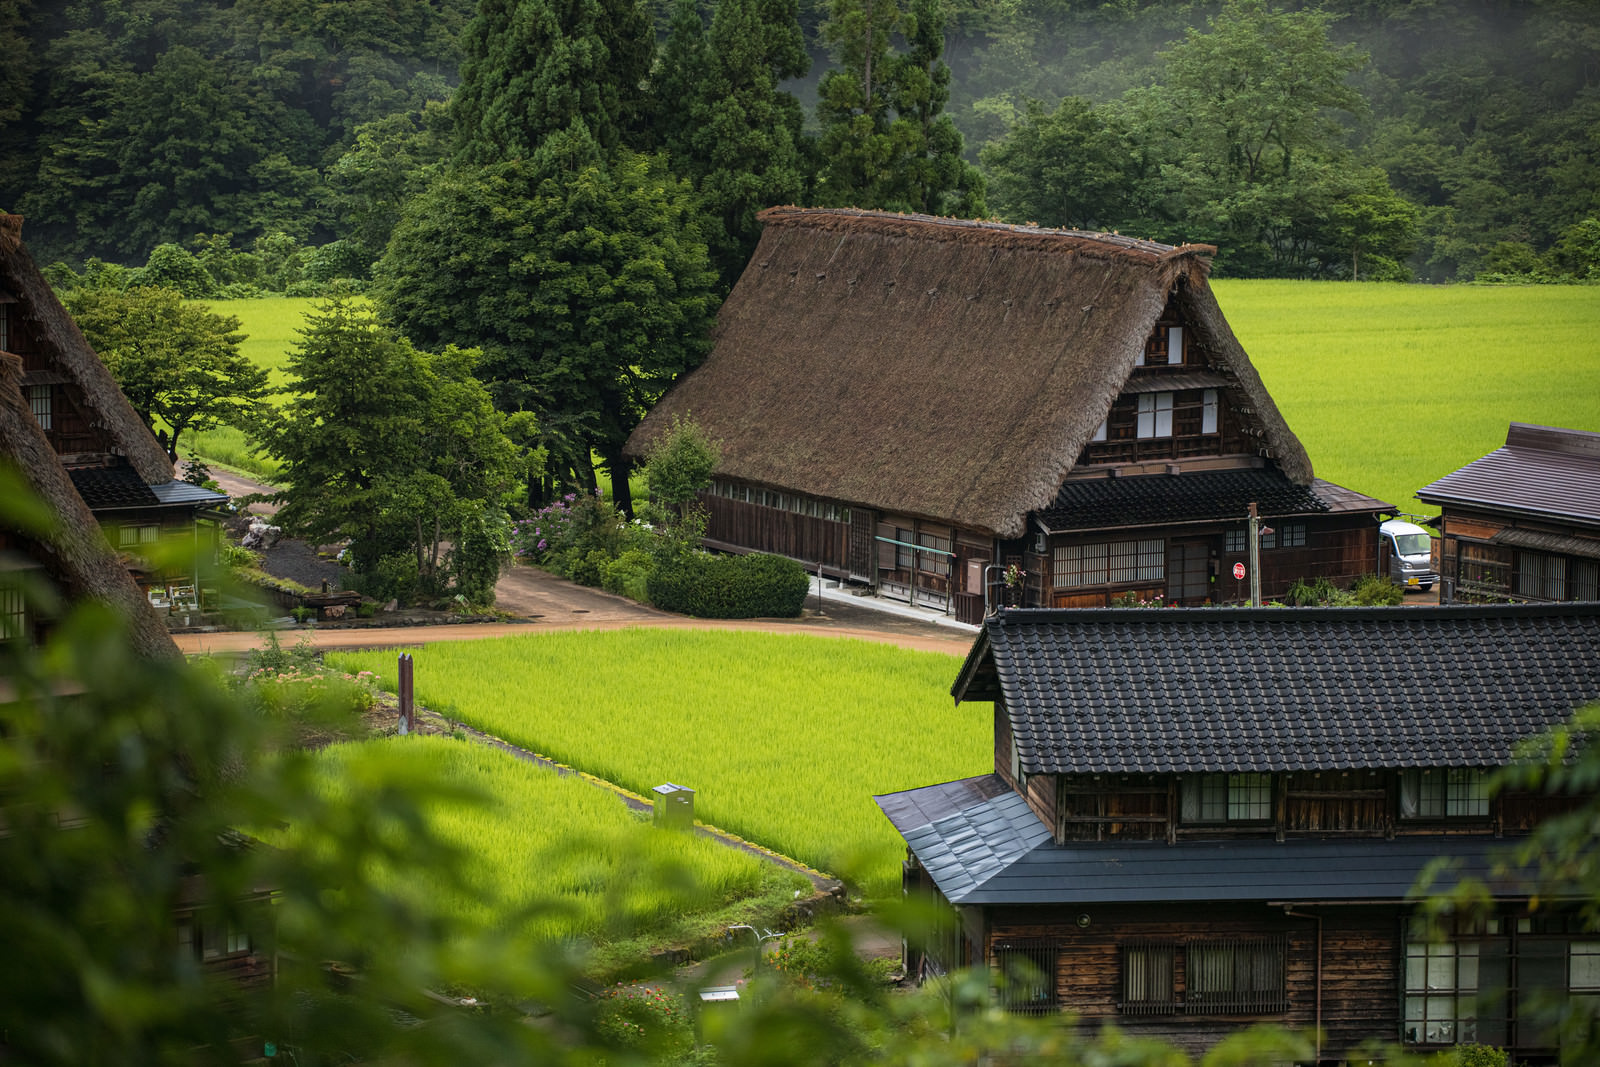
(13, 611)
(5, 323)
(39, 402)
(1163, 347)
(1155, 415)
(1227, 798)
(141, 534)
(1453, 793)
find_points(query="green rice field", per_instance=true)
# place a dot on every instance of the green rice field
(1390, 387)
(785, 738)
(543, 856)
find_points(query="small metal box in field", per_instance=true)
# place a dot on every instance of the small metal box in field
(674, 806)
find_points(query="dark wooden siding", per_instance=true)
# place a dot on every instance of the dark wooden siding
(1359, 973)
(785, 533)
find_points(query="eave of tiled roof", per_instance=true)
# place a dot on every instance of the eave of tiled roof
(989, 848)
(1200, 496)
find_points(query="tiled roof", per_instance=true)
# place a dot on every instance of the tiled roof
(985, 852)
(121, 489)
(1539, 471)
(1279, 689)
(1155, 499)
(112, 488)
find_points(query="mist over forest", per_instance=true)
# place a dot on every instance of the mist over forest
(1405, 139)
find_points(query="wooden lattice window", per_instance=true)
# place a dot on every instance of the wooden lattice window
(1025, 976)
(1148, 986)
(1236, 976)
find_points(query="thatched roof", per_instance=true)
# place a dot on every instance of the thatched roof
(938, 368)
(76, 554)
(37, 303)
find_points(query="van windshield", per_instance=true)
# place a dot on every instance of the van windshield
(1409, 544)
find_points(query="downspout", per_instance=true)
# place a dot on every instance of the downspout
(1288, 910)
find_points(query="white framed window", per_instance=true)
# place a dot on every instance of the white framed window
(1155, 415)
(1209, 410)
(1174, 344)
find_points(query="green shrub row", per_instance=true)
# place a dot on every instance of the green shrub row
(730, 587)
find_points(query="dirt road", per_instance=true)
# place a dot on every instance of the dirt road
(542, 602)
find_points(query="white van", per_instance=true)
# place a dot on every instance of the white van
(1409, 549)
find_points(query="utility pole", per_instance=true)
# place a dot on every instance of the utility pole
(1255, 557)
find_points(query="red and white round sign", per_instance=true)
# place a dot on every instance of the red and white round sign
(1238, 570)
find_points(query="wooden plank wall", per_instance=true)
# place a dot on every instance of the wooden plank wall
(1360, 961)
(786, 533)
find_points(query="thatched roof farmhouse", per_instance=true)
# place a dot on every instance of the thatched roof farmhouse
(900, 396)
(101, 446)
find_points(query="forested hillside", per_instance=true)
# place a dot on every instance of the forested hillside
(1438, 139)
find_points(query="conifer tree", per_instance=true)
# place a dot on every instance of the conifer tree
(729, 128)
(533, 66)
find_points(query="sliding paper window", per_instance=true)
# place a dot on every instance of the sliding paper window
(1109, 562)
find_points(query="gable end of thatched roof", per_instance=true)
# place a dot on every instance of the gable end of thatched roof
(59, 334)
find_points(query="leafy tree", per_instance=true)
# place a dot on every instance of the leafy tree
(935, 179)
(680, 462)
(178, 364)
(391, 160)
(532, 67)
(390, 448)
(584, 281)
(171, 267)
(1067, 167)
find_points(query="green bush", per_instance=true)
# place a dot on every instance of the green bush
(172, 267)
(394, 577)
(730, 587)
(1370, 590)
(629, 574)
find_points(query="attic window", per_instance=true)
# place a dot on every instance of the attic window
(1155, 415)
(39, 404)
(5, 323)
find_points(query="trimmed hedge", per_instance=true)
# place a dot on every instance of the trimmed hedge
(756, 586)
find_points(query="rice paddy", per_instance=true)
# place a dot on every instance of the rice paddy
(1390, 387)
(536, 855)
(785, 738)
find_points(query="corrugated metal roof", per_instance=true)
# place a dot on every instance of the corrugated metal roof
(1280, 689)
(176, 492)
(1540, 471)
(986, 853)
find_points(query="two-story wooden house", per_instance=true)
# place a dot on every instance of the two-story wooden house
(904, 400)
(113, 460)
(1201, 820)
(1523, 522)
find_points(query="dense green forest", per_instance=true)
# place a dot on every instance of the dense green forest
(1437, 139)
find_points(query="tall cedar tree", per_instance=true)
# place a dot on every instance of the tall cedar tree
(885, 139)
(583, 278)
(725, 123)
(534, 66)
(390, 447)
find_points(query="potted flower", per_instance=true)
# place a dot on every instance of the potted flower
(1014, 577)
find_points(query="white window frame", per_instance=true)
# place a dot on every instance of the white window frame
(1155, 415)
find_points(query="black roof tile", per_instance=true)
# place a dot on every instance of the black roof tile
(1171, 498)
(1278, 689)
(111, 488)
